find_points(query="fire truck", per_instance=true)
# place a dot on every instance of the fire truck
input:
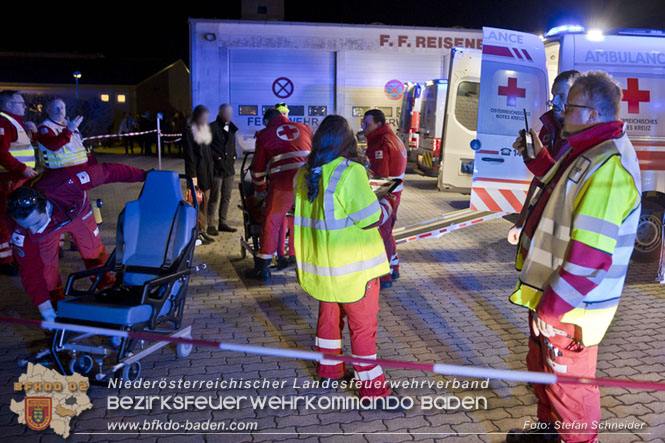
(517, 70)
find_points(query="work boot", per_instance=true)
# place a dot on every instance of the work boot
(395, 276)
(386, 284)
(282, 263)
(9, 269)
(292, 260)
(261, 269)
(223, 227)
(212, 231)
(544, 432)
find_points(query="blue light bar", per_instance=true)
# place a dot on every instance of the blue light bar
(564, 29)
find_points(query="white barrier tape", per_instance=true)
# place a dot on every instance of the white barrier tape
(126, 134)
(437, 368)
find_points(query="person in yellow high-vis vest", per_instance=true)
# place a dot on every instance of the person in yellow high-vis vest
(339, 252)
(17, 163)
(574, 252)
(60, 143)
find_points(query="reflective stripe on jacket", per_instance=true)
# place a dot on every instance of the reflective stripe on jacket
(335, 256)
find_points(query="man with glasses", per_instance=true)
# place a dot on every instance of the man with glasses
(49, 206)
(574, 251)
(17, 163)
(550, 136)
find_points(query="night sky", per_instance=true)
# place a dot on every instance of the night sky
(158, 33)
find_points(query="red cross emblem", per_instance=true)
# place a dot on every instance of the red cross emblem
(512, 92)
(288, 132)
(634, 96)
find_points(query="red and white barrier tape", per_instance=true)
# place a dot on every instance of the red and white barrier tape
(438, 232)
(130, 134)
(437, 368)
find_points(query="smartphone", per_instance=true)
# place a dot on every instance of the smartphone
(527, 140)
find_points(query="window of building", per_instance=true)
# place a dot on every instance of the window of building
(105, 97)
(121, 98)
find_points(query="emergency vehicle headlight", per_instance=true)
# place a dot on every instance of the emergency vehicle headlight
(564, 28)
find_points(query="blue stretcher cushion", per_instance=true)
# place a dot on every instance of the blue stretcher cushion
(122, 310)
(149, 221)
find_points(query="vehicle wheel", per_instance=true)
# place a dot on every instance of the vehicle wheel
(82, 364)
(649, 232)
(131, 372)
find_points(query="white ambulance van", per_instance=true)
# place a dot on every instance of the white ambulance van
(409, 119)
(431, 126)
(517, 71)
(460, 121)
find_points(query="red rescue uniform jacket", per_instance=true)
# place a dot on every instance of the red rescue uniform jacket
(8, 135)
(281, 148)
(67, 193)
(386, 154)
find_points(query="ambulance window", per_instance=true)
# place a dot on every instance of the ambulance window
(316, 111)
(248, 110)
(466, 105)
(388, 112)
(359, 111)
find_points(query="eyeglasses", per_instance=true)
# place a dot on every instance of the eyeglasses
(567, 107)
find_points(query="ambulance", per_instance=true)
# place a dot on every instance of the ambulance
(459, 121)
(517, 70)
(430, 129)
(409, 120)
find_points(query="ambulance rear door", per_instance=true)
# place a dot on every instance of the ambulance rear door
(513, 78)
(461, 120)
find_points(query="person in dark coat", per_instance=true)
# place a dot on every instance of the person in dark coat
(147, 140)
(224, 153)
(199, 163)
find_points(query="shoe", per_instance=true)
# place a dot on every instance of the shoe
(223, 227)
(202, 240)
(395, 276)
(261, 270)
(282, 263)
(386, 284)
(9, 269)
(545, 432)
(212, 231)
(205, 236)
(292, 260)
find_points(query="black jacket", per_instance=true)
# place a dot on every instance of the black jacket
(198, 160)
(223, 147)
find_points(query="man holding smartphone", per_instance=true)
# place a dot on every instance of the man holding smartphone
(549, 136)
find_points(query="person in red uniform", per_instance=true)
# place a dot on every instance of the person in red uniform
(51, 205)
(17, 163)
(282, 148)
(60, 142)
(387, 159)
(550, 137)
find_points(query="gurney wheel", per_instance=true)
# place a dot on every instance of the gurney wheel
(81, 364)
(131, 372)
(183, 350)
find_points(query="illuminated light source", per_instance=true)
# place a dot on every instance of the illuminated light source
(541, 36)
(595, 35)
(121, 98)
(105, 97)
(563, 29)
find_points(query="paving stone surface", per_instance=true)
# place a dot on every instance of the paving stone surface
(450, 306)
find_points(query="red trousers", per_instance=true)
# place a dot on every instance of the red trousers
(386, 231)
(85, 233)
(565, 404)
(362, 327)
(278, 202)
(287, 225)
(8, 182)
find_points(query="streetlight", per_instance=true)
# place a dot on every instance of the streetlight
(77, 76)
